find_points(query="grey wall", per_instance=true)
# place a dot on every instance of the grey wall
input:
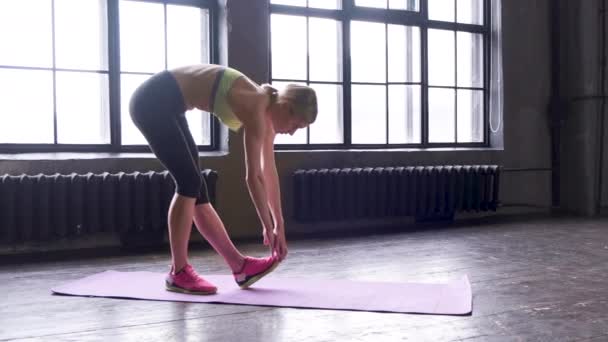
(605, 166)
(526, 136)
(581, 128)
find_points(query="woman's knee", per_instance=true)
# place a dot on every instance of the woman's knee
(189, 185)
(203, 196)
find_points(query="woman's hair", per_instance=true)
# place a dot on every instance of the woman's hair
(303, 100)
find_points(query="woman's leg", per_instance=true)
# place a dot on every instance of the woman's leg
(154, 111)
(206, 218)
(169, 145)
(212, 229)
(180, 215)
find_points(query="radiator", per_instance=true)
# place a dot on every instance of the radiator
(425, 192)
(46, 207)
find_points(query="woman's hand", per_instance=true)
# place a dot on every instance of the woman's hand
(269, 238)
(277, 242)
(280, 243)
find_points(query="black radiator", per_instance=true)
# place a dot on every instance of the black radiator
(47, 207)
(425, 192)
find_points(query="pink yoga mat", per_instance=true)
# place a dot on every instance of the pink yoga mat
(453, 298)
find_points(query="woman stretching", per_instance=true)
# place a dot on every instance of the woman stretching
(158, 109)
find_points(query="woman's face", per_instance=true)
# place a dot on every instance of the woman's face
(286, 122)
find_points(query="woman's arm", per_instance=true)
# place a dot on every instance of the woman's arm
(253, 137)
(273, 191)
(271, 181)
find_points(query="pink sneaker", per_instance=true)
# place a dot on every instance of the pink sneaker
(188, 281)
(254, 269)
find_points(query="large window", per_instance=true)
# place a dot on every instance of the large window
(69, 67)
(388, 73)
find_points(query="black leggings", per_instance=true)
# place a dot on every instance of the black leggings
(158, 110)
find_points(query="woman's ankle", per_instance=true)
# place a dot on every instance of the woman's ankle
(176, 268)
(238, 265)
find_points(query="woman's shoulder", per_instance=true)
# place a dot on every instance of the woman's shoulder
(248, 98)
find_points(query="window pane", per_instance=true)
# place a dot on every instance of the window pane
(470, 116)
(403, 53)
(470, 11)
(25, 120)
(83, 115)
(325, 50)
(408, 5)
(187, 36)
(299, 137)
(142, 36)
(81, 40)
(442, 10)
(371, 3)
(301, 3)
(199, 124)
(441, 115)
(441, 58)
(329, 126)
(327, 4)
(130, 134)
(404, 114)
(368, 51)
(368, 114)
(188, 43)
(26, 34)
(288, 35)
(470, 59)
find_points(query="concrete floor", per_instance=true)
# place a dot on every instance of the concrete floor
(538, 279)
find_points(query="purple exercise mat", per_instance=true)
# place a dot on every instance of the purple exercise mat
(453, 298)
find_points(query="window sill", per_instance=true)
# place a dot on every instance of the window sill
(93, 155)
(395, 150)
(214, 154)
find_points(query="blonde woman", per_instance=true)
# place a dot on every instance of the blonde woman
(158, 109)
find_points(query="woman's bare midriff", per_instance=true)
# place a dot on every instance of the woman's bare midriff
(196, 83)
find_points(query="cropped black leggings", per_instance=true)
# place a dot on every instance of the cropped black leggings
(157, 108)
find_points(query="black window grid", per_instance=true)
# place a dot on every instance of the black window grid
(113, 72)
(349, 12)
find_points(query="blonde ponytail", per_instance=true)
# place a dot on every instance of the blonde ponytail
(272, 92)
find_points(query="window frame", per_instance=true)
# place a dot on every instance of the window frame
(114, 91)
(350, 12)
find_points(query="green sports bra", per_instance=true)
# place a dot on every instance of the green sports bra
(219, 98)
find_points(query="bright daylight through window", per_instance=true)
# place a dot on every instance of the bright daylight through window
(63, 85)
(394, 73)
